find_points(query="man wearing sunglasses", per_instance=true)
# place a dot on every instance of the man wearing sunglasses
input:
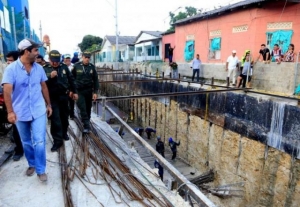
(88, 85)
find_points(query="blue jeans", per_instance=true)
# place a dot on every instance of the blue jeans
(194, 72)
(170, 58)
(175, 74)
(33, 135)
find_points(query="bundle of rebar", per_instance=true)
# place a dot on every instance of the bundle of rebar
(91, 154)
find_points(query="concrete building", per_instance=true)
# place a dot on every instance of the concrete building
(148, 46)
(240, 26)
(108, 51)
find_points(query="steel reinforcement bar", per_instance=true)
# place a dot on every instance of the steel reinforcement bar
(192, 190)
(168, 94)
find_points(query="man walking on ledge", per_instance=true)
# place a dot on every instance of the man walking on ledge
(87, 82)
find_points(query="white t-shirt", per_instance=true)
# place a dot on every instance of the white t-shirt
(232, 62)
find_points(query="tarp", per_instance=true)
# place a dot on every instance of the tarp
(282, 38)
(215, 44)
(297, 91)
(189, 50)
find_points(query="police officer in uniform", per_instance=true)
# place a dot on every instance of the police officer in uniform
(87, 85)
(61, 85)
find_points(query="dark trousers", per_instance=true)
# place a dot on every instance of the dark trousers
(59, 118)
(71, 107)
(148, 135)
(84, 104)
(174, 155)
(19, 147)
(194, 72)
(244, 80)
(170, 58)
(161, 175)
(162, 153)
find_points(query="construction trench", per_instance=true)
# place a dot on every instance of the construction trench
(249, 139)
(238, 148)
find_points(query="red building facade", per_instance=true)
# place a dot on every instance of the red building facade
(238, 27)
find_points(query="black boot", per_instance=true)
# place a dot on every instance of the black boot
(227, 82)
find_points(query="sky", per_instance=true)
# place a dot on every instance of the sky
(68, 21)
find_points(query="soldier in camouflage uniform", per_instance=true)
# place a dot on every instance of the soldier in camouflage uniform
(61, 85)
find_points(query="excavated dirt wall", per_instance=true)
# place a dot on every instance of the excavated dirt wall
(232, 142)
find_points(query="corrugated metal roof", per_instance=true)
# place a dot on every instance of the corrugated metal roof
(219, 10)
(124, 40)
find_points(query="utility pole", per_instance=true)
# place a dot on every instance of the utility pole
(14, 27)
(40, 31)
(117, 36)
(24, 28)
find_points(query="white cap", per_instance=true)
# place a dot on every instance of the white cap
(25, 43)
(67, 56)
(233, 51)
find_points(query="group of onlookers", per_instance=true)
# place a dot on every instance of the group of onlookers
(242, 67)
(35, 89)
(245, 66)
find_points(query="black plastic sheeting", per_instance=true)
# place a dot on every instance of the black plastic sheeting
(244, 114)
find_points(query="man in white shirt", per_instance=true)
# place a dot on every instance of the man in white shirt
(231, 66)
(67, 61)
(196, 64)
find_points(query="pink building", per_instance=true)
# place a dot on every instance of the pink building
(240, 26)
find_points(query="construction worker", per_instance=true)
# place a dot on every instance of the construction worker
(88, 85)
(160, 147)
(140, 131)
(160, 169)
(173, 145)
(61, 85)
(148, 131)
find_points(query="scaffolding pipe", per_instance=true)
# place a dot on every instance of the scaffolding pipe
(160, 79)
(101, 73)
(183, 181)
(168, 94)
(273, 95)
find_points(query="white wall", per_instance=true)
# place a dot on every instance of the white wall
(144, 56)
(145, 36)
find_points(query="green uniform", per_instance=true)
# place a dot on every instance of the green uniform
(59, 88)
(87, 83)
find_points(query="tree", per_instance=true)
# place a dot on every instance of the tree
(90, 43)
(189, 11)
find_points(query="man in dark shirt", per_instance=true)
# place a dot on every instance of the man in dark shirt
(173, 145)
(171, 53)
(88, 85)
(160, 147)
(265, 53)
(148, 131)
(61, 85)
